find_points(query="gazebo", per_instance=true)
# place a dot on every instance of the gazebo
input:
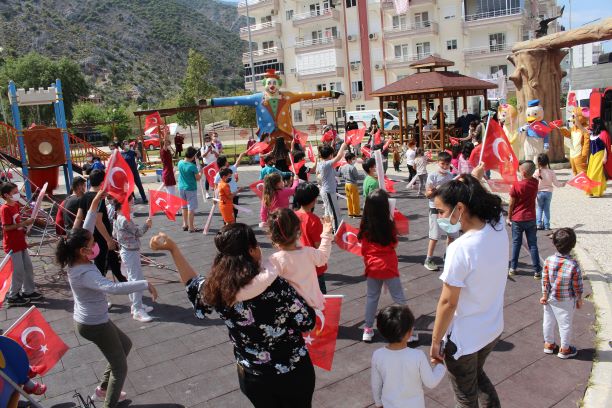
(428, 84)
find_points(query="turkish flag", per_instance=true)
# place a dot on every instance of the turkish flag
(257, 148)
(555, 124)
(300, 137)
(540, 128)
(257, 187)
(210, 172)
(499, 186)
(6, 274)
(355, 136)
(571, 99)
(153, 123)
(346, 238)
(582, 182)
(119, 181)
(377, 139)
(43, 346)
(321, 342)
(339, 163)
(329, 136)
(454, 141)
(402, 225)
(298, 166)
(310, 153)
(366, 151)
(498, 154)
(389, 185)
(165, 202)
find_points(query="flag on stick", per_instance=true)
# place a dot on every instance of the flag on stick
(346, 238)
(119, 181)
(6, 275)
(167, 203)
(582, 182)
(321, 342)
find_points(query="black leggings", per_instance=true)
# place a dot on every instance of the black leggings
(291, 390)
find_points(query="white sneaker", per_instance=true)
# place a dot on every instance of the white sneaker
(142, 316)
(207, 196)
(146, 308)
(100, 394)
(368, 334)
(109, 304)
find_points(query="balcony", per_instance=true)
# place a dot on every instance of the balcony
(404, 61)
(320, 72)
(257, 5)
(493, 17)
(489, 51)
(325, 15)
(270, 28)
(424, 28)
(317, 44)
(263, 55)
(388, 4)
(323, 103)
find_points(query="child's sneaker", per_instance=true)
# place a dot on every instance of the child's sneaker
(568, 353)
(17, 300)
(36, 388)
(146, 308)
(549, 348)
(100, 395)
(537, 275)
(32, 296)
(368, 334)
(142, 316)
(511, 272)
(430, 265)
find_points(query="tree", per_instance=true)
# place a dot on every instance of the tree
(196, 83)
(243, 116)
(36, 71)
(120, 120)
(85, 113)
(186, 118)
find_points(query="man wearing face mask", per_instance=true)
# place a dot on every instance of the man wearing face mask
(463, 122)
(209, 154)
(130, 157)
(434, 181)
(88, 163)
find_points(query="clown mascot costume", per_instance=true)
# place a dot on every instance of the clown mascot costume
(577, 138)
(273, 106)
(536, 131)
(507, 115)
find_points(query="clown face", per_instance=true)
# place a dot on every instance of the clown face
(534, 113)
(272, 86)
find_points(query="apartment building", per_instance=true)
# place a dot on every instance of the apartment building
(358, 46)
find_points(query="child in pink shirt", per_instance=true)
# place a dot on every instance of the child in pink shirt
(297, 264)
(275, 194)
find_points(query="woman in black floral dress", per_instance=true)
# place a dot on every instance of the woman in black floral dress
(264, 315)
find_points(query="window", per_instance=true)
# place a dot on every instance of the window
(319, 113)
(360, 107)
(401, 51)
(399, 22)
(496, 68)
(421, 19)
(297, 115)
(317, 36)
(321, 87)
(331, 32)
(267, 44)
(356, 86)
(289, 15)
(266, 19)
(335, 86)
(497, 42)
(315, 9)
(340, 113)
(451, 44)
(423, 49)
(351, 3)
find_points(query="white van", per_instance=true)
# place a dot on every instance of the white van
(391, 117)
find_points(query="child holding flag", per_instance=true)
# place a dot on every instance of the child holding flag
(275, 195)
(226, 198)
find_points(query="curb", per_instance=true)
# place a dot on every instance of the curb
(599, 390)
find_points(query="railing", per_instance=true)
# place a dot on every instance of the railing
(312, 14)
(261, 53)
(409, 57)
(318, 70)
(8, 141)
(258, 26)
(493, 14)
(258, 77)
(425, 25)
(488, 49)
(316, 41)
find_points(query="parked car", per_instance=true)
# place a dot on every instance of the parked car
(150, 142)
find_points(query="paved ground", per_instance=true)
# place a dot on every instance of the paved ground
(178, 361)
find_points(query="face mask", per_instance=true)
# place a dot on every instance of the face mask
(89, 158)
(95, 251)
(16, 197)
(445, 224)
(464, 113)
(443, 171)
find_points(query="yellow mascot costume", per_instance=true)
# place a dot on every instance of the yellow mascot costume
(508, 117)
(578, 139)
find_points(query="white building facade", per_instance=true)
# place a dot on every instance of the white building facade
(358, 46)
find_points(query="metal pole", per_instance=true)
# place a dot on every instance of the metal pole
(19, 128)
(246, 2)
(61, 115)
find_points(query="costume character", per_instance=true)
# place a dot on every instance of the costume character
(508, 118)
(597, 161)
(577, 138)
(536, 131)
(272, 106)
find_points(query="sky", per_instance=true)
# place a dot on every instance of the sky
(585, 11)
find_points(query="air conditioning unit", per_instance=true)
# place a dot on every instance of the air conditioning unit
(354, 67)
(373, 36)
(293, 70)
(354, 95)
(351, 38)
(273, 12)
(308, 112)
(379, 67)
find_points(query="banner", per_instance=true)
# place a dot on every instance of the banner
(321, 342)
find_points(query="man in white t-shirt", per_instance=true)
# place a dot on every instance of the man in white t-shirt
(209, 154)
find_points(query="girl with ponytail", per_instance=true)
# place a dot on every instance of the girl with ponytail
(264, 315)
(474, 280)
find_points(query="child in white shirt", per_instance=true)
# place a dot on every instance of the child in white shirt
(399, 372)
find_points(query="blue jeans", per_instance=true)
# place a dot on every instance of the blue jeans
(543, 209)
(530, 230)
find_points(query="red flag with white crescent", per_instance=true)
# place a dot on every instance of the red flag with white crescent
(355, 136)
(310, 153)
(339, 163)
(119, 181)
(498, 154)
(389, 185)
(42, 345)
(300, 137)
(329, 136)
(321, 341)
(210, 172)
(346, 238)
(257, 148)
(6, 274)
(257, 187)
(582, 182)
(153, 123)
(165, 202)
(366, 151)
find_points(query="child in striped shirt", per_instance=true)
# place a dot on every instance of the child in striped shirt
(561, 293)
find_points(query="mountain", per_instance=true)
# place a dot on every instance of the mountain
(129, 49)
